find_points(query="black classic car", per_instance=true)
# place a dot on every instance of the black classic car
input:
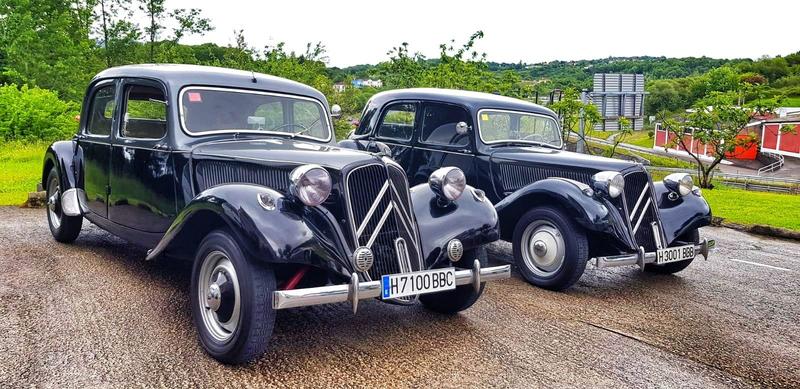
(559, 209)
(239, 173)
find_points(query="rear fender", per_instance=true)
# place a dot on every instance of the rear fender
(288, 233)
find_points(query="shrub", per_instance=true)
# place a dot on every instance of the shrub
(29, 114)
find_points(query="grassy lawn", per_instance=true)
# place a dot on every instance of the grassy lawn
(600, 134)
(20, 170)
(748, 207)
(793, 101)
(639, 138)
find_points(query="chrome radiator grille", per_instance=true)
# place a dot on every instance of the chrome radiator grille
(213, 173)
(515, 177)
(381, 220)
(641, 208)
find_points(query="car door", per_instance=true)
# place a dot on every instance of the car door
(444, 139)
(396, 128)
(94, 142)
(142, 179)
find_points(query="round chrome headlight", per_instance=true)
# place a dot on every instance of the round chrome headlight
(448, 183)
(679, 182)
(311, 184)
(609, 182)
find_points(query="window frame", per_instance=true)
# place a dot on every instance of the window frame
(385, 110)
(447, 145)
(124, 88)
(113, 83)
(510, 111)
(182, 113)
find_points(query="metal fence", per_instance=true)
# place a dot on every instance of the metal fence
(745, 181)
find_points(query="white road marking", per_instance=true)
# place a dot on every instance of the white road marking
(760, 264)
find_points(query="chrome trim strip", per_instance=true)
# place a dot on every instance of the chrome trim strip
(641, 217)
(704, 248)
(381, 222)
(639, 201)
(372, 209)
(355, 290)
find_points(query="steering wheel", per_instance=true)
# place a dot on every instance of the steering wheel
(526, 137)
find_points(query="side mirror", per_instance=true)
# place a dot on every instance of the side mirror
(336, 111)
(461, 128)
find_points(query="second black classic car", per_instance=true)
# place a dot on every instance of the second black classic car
(559, 209)
(239, 173)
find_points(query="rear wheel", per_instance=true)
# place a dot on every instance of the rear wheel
(231, 300)
(692, 236)
(65, 229)
(462, 297)
(550, 250)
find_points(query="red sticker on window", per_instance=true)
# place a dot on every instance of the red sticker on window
(195, 97)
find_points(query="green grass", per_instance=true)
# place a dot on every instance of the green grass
(792, 101)
(600, 134)
(639, 138)
(748, 207)
(20, 170)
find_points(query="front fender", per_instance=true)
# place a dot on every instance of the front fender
(288, 234)
(681, 215)
(591, 213)
(470, 219)
(63, 155)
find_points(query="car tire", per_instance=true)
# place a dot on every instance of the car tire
(692, 236)
(463, 296)
(550, 249)
(65, 229)
(231, 332)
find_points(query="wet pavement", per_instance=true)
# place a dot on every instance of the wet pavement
(95, 314)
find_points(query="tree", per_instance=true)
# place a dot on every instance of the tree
(155, 11)
(569, 109)
(118, 34)
(716, 122)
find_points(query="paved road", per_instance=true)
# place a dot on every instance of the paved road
(95, 314)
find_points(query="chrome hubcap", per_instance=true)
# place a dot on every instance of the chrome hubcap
(543, 248)
(219, 298)
(54, 202)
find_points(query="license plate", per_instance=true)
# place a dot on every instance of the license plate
(422, 282)
(674, 254)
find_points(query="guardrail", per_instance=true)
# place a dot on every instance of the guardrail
(773, 166)
(745, 181)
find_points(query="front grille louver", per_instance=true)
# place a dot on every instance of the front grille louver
(213, 173)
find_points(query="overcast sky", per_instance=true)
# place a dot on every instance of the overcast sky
(357, 32)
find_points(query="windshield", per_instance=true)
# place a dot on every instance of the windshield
(215, 110)
(498, 126)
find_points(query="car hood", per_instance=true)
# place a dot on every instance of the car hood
(283, 152)
(546, 157)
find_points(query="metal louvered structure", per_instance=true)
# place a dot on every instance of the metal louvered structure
(619, 95)
(211, 173)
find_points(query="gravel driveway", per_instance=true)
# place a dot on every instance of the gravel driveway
(95, 314)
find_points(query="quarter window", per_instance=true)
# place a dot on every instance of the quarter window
(439, 125)
(101, 111)
(398, 121)
(145, 113)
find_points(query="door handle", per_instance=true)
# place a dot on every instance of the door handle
(161, 146)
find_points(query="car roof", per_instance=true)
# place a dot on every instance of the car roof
(473, 100)
(177, 76)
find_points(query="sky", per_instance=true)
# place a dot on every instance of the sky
(357, 32)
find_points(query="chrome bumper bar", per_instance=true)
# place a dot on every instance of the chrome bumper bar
(642, 258)
(357, 290)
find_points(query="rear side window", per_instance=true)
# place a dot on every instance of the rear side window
(145, 113)
(439, 125)
(101, 111)
(398, 122)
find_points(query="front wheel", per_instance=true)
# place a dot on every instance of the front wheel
(462, 297)
(65, 229)
(231, 300)
(550, 250)
(692, 237)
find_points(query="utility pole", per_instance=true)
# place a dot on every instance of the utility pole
(581, 146)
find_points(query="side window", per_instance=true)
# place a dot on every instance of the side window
(101, 111)
(398, 121)
(145, 113)
(439, 125)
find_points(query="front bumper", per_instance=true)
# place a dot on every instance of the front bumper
(356, 290)
(642, 258)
